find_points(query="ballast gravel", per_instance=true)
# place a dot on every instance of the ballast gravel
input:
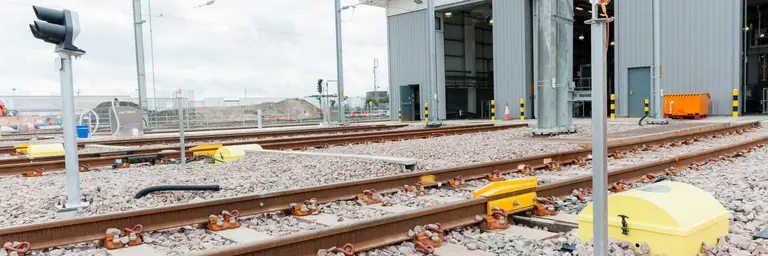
(112, 190)
(459, 150)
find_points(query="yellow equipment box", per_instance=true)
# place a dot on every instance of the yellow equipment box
(41, 150)
(207, 149)
(230, 153)
(509, 186)
(673, 218)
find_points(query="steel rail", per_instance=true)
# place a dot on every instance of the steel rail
(84, 229)
(229, 143)
(226, 136)
(53, 163)
(369, 234)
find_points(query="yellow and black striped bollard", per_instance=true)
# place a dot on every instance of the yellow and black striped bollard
(735, 102)
(426, 112)
(612, 111)
(493, 110)
(522, 109)
(399, 115)
(646, 107)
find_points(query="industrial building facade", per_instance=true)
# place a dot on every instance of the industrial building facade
(487, 51)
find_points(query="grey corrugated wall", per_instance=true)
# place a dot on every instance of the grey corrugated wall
(407, 42)
(700, 47)
(512, 55)
(634, 44)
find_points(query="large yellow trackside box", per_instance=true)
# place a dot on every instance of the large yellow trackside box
(673, 218)
(42, 150)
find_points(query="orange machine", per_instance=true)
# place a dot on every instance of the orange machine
(686, 105)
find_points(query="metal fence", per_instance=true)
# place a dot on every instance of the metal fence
(162, 113)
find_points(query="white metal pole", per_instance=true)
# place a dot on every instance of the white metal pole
(182, 148)
(339, 61)
(140, 69)
(70, 137)
(152, 56)
(599, 138)
(656, 99)
(432, 62)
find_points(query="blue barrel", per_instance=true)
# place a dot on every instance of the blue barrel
(82, 131)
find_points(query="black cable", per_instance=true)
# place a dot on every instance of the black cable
(640, 123)
(145, 191)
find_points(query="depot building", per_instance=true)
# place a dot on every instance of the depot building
(501, 51)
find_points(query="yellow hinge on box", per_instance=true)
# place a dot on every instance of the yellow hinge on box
(511, 203)
(21, 148)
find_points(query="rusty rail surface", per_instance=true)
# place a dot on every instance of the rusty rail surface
(391, 229)
(47, 235)
(21, 165)
(227, 136)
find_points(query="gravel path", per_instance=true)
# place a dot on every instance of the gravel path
(444, 152)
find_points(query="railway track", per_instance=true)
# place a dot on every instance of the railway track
(12, 166)
(229, 136)
(394, 228)
(391, 229)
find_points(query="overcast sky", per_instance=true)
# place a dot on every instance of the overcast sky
(272, 48)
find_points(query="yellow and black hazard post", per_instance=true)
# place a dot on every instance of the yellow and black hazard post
(426, 112)
(612, 110)
(735, 102)
(493, 110)
(646, 107)
(522, 109)
(399, 115)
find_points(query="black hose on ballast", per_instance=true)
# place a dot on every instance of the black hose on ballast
(145, 191)
(640, 123)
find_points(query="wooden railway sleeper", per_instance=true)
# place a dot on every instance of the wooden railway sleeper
(227, 220)
(17, 248)
(368, 197)
(308, 207)
(116, 238)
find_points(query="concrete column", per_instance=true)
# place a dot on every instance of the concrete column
(469, 61)
(564, 57)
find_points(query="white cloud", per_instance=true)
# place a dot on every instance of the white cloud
(269, 47)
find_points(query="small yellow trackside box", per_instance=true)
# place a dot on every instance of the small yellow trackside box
(230, 153)
(207, 149)
(43, 150)
(673, 218)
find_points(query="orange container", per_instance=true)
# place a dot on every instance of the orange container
(686, 105)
